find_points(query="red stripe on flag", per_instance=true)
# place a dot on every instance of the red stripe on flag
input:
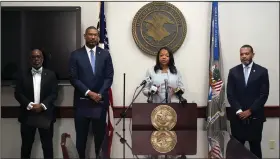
(218, 83)
(110, 127)
(216, 152)
(111, 97)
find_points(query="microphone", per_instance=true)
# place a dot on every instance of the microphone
(166, 90)
(179, 92)
(147, 80)
(153, 91)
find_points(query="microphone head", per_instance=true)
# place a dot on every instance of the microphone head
(148, 79)
(178, 91)
(154, 89)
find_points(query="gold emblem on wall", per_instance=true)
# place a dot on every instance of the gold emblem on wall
(159, 24)
(164, 118)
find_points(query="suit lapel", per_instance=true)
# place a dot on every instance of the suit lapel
(86, 59)
(29, 82)
(252, 73)
(241, 73)
(43, 81)
(97, 59)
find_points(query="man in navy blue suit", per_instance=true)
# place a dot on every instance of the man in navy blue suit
(91, 73)
(247, 93)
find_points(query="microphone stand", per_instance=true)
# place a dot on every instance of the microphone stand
(123, 115)
(166, 97)
(150, 98)
(166, 92)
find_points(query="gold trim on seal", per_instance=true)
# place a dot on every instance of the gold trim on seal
(163, 141)
(164, 117)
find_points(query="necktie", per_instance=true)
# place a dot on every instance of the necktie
(36, 71)
(92, 60)
(246, 74)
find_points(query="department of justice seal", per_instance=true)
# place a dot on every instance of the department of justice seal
(163, 117)
(159, 24)
(163, 141)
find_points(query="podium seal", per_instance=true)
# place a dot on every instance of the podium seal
(163, 141)
(164, 117)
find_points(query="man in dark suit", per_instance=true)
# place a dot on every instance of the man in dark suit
(91, 73)
(36, 90)
(247, 93)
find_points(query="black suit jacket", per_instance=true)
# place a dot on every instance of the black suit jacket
(24, 93)
(254, 95)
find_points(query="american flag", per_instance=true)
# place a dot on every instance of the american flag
(215, 149)
(104, 43)
(216, 84)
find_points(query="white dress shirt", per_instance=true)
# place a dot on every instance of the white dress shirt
(249, 70)
(89, 56)
(37, 89)
(88, 52)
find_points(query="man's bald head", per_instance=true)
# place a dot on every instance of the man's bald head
(36, 59)
(36, 51)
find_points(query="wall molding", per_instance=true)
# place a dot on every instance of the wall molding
(68, 111)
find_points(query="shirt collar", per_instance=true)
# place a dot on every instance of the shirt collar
(88, 49)
(249, 66)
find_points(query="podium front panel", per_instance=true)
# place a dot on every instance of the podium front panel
(186, 116)
(186, 143)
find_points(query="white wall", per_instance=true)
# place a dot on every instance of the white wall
(240, 23)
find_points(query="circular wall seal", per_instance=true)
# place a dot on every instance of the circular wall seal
(159, 24)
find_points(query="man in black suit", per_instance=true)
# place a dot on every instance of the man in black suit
(36, 90)
(91, 74)
(247, 93)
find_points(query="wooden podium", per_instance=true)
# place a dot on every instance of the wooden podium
(186, 129)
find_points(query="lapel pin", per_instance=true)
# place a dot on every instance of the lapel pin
(254, 70)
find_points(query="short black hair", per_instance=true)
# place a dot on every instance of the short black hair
(91, 27)
(249, 46)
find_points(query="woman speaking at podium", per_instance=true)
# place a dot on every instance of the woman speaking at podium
(166, 84)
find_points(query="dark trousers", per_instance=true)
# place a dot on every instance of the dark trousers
(27, 138)
(251, 132)
(82, 129)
